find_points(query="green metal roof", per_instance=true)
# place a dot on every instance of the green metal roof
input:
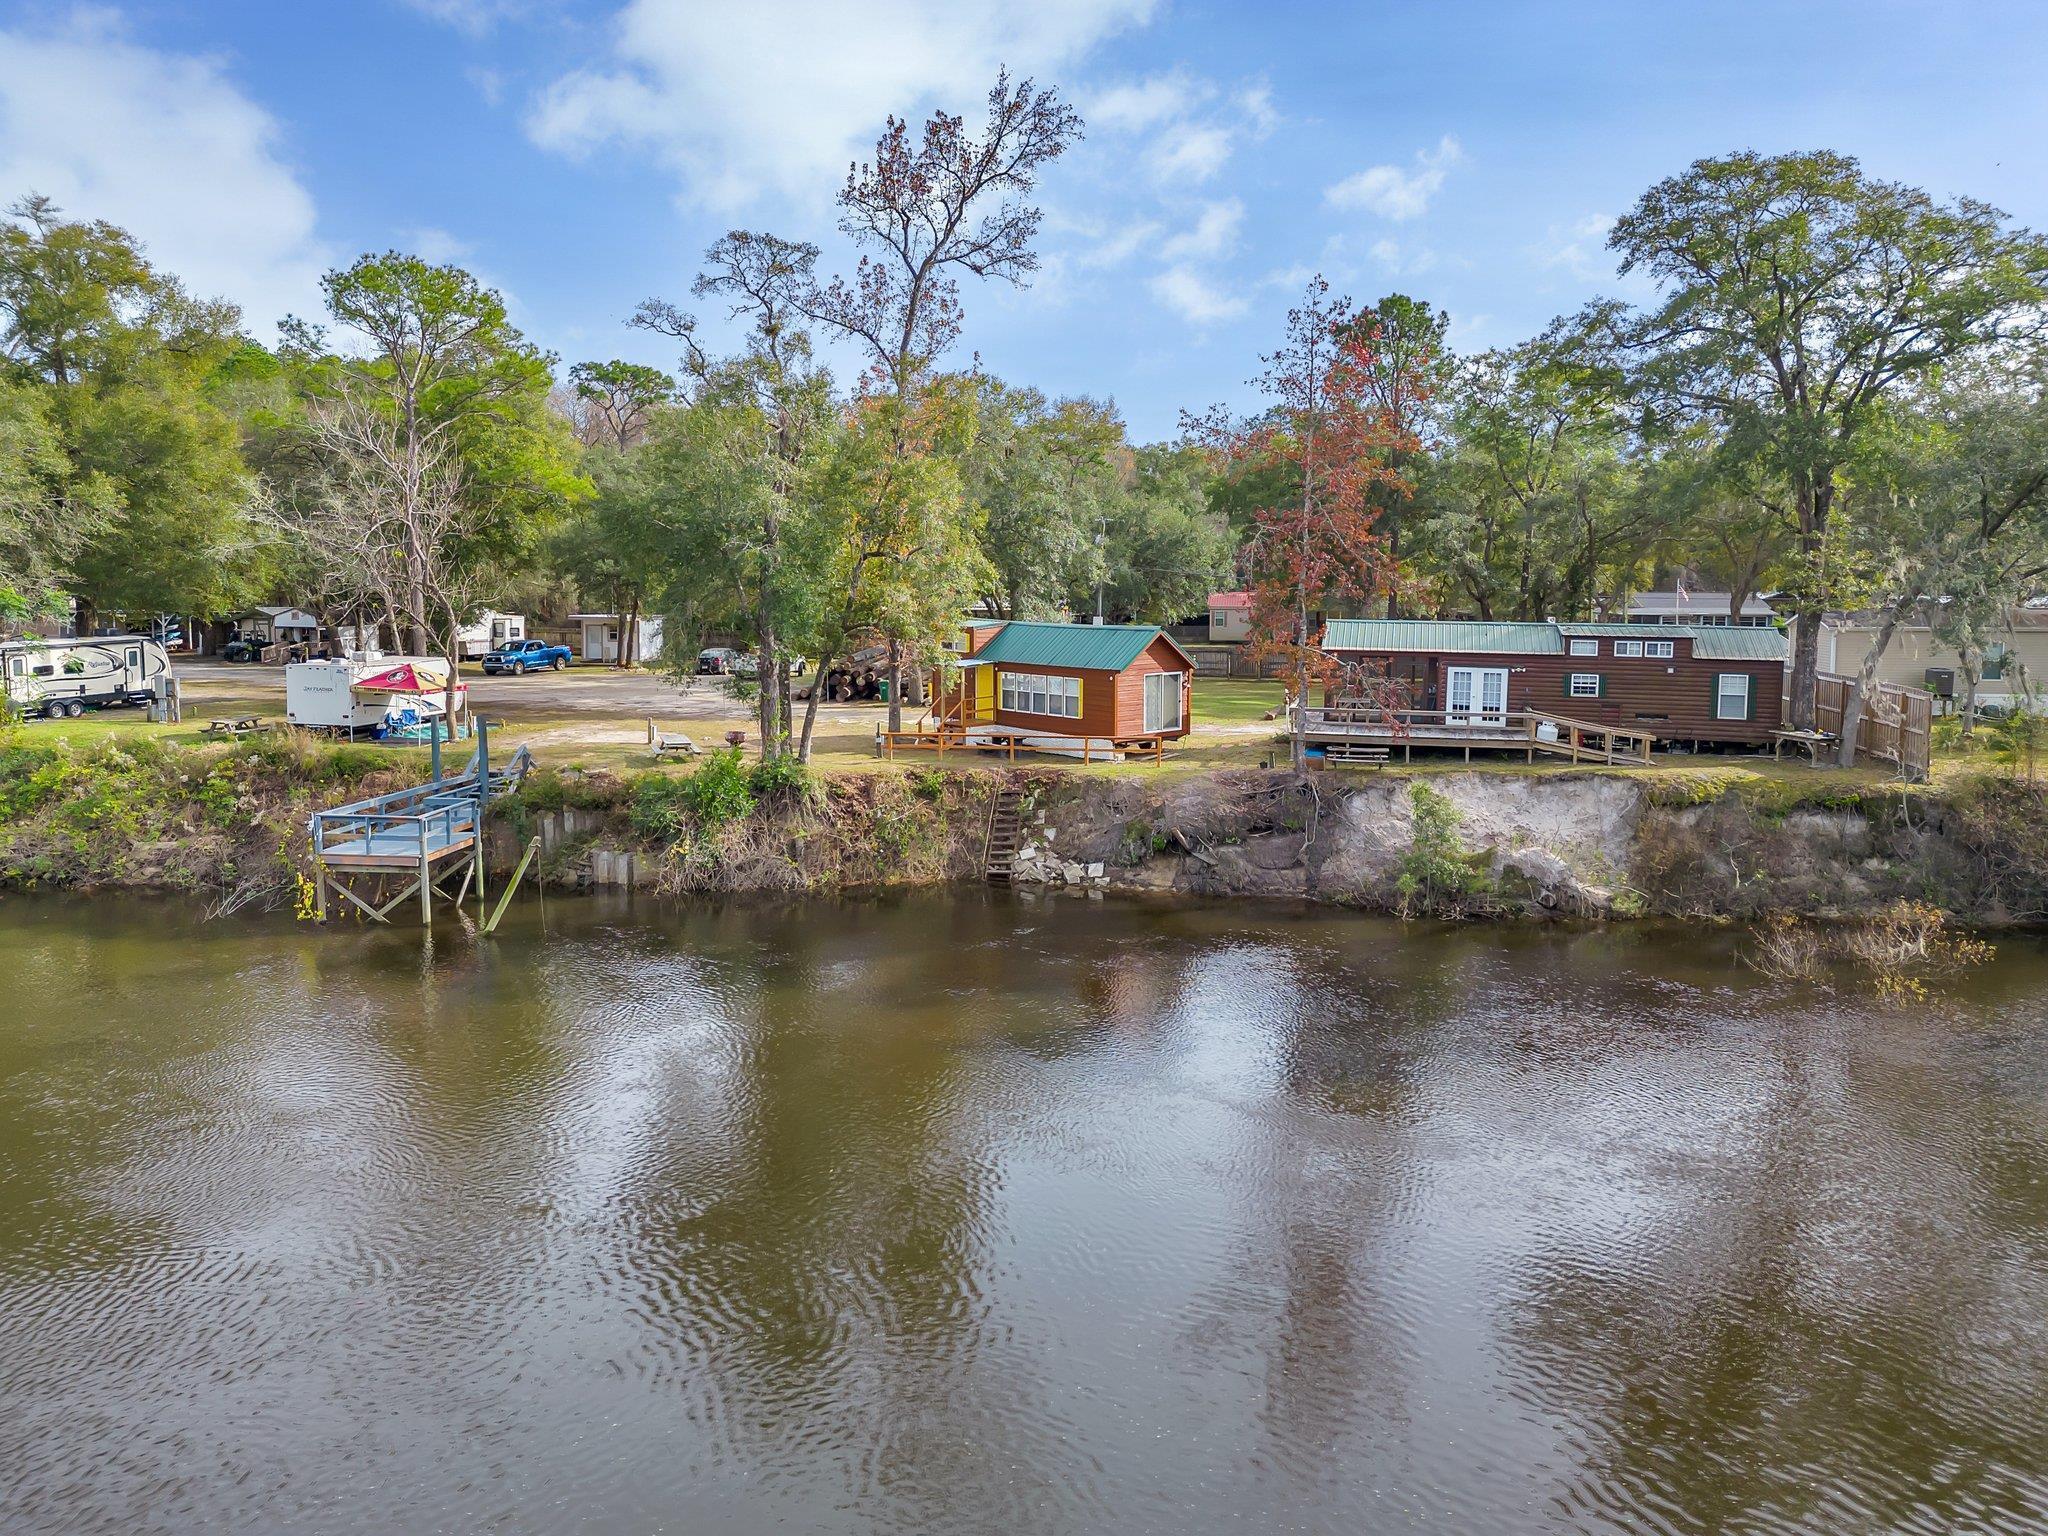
(1737, 642)
(1085, 647)
(1441, 635)
(1710, 642)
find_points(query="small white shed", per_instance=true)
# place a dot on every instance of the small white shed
(602, 633)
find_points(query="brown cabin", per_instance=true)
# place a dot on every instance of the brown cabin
(1110, 682)
(1675, 683)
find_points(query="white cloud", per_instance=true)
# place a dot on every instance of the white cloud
(1579, 247)
(166, 146)
(433, 244)
(1214, 233)
(1194, 297)
(1400, 260)
(1395, 193)
(780, 95)
(1189, 152)
(472, 16)
(1132, 106)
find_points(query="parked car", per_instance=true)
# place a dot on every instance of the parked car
(747, 664)
(716, 661)
(523, 656)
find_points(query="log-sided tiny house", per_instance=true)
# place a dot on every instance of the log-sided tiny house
(1055, 687)
(1675, 683)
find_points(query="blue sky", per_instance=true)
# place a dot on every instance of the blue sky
(580, 156)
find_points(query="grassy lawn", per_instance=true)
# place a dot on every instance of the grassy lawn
(1229, 732)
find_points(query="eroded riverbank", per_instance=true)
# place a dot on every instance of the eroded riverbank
(228, 825)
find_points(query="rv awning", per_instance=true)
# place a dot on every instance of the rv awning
(406, 677)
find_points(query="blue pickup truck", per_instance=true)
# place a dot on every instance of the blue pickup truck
(522, 656)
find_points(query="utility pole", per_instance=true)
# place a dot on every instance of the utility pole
(1101, 569)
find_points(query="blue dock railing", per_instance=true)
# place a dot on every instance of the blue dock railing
(411, 830)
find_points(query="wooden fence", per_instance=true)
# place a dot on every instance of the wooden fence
(1897, 726)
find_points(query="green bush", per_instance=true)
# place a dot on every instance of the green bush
(785, 779)
(1438, 875)
(657, 810)
(718, 792)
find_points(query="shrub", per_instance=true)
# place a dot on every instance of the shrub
(784, 779)
(718, 792)
(657, 809)
(1438, 876)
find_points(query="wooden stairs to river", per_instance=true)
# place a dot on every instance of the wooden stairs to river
(1005, 835)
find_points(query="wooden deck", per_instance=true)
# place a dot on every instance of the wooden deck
(413, 832)
(1007, 741)
(1580, 741)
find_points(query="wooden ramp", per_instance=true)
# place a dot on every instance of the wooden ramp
(420, 837)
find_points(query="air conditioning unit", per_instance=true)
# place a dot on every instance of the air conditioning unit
(1941, 682)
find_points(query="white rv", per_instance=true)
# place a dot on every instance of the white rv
(489, 631)
(68, 677)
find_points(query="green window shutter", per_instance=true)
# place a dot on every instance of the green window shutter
(1603, 685)
(1751, 698)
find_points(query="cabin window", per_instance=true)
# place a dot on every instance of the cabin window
(1028, 694)
(1731, 696)
(1628, 647)
(1592, 647)
(1994, 664)
(1162, 701)
(1663, 650)
(1585, 685)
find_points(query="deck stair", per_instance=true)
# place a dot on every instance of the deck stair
(1005, 835)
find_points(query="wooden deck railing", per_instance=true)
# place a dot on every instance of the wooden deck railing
(1579, 740)
(1106, 749)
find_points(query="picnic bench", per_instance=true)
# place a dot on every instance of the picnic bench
(663, 743)
(237, 725)
(1808, 741)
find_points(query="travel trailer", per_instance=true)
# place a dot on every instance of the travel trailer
(375, 695)
(489, 631)
(68, 677)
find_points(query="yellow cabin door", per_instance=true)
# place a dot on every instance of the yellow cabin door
(984, 693)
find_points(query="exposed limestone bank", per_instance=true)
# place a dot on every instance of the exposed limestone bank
(228, 825)
(1576, 845)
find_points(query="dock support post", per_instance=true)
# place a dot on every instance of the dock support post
(319, 891)
(426, 882)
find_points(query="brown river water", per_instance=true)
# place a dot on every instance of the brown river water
(973, 1213)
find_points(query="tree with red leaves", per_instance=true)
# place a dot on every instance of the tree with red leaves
(1332, 444)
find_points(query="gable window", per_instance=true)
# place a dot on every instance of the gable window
(1628, 647)
(1585, 685)
(1731, 696)
(1592, 647)
(1026, 693)
(1664, 650)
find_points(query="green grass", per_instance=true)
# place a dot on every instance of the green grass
(1233, 701)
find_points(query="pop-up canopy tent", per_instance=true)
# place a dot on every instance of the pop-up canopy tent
(407, 677)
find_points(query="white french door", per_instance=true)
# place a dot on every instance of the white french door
(1476, 693)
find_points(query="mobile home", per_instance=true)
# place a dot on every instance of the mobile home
(68, 677)
(1667, 682)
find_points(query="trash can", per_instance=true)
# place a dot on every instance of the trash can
(885, 690)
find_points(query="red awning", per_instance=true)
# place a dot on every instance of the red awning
(405, 678)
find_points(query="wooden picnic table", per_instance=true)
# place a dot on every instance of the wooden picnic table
(237, 725)
(1810, 741)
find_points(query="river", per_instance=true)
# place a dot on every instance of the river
(974, 1213)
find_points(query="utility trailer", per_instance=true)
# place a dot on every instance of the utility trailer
(68, 677)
